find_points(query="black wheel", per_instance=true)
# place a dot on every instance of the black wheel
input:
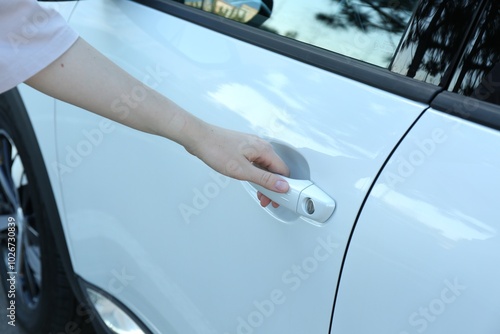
(31, 268)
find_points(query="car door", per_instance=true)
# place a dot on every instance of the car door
(186, 249)
(428, 232)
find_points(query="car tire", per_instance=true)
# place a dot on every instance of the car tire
(33, 275)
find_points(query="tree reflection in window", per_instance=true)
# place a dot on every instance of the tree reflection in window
(478, 72)
(371, 16)
(366, 15)
(434, 39)
(367, 30)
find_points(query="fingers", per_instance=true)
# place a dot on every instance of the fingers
(265, 201)
(268, 159)
(272, 165)
(243, 157)
(272, 182)
(268, 180)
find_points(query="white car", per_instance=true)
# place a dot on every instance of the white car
(386, 113)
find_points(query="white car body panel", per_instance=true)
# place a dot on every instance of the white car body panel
(149, 246)
(188, 250)
(424, 254)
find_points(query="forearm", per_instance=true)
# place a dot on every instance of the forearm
(84, 77)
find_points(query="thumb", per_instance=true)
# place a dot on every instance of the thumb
(268, 180)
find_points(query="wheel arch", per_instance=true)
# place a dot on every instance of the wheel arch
(42, 152)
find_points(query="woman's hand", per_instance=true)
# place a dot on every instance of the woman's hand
(240, 156)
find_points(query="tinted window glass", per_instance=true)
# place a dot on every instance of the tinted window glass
(478, 72)
(434, 39)
(368, 30)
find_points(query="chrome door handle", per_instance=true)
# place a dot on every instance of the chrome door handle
(304, 198)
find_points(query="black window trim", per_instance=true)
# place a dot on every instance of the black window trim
(328, 60)
(468, 108)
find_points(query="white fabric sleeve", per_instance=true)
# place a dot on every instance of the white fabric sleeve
(31, 38)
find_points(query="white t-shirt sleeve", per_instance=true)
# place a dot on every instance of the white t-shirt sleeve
(31, 38)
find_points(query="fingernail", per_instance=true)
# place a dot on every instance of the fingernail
(281, 185)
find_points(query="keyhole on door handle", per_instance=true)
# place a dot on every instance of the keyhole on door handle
(303, 198)
(309, 206)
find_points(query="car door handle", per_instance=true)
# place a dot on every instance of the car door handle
(304, 198)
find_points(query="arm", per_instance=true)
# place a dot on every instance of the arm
(84, 77)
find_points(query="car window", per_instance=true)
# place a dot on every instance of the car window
(434, 40)
(478, 72)
(367, 30)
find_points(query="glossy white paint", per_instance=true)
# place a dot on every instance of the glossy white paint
(189, 250)
(424, 255)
